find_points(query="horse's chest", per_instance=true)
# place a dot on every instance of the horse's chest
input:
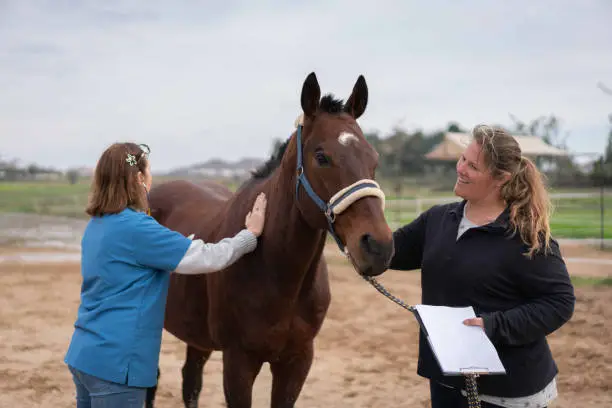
(299, 320)
(270, 329)
(273, 339)
(271, 315)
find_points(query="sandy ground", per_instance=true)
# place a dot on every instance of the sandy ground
(366, 353)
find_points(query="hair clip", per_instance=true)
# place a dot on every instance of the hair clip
(131, 160)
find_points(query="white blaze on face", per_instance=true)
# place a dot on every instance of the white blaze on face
(345, 138)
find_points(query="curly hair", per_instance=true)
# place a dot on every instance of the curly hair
(525, 192)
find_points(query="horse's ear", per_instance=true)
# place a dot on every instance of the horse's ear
(357, 102)
(311, 94)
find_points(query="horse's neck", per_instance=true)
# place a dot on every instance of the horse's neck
(293, 246)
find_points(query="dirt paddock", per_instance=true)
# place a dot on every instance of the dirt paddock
(366, 353)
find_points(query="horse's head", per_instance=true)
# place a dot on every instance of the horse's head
(335, 186)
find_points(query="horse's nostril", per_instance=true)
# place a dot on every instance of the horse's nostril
(376, 251)
(369, 244)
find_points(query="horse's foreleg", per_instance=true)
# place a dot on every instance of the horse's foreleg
(192, 375)
(289, 375)
(151, 391)
(239, 372)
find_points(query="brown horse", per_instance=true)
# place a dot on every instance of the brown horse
(270, 305)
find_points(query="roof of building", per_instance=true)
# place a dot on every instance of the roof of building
(455, 143)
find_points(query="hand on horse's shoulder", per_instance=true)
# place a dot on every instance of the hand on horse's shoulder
(255, 218)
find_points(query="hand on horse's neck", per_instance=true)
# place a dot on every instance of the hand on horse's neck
(482, 212)
(294, 231)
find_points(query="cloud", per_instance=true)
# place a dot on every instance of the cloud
(223, 79)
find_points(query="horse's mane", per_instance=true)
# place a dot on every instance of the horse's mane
(328, 104)
(273, 162)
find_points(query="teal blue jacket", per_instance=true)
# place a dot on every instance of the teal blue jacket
(126, 260)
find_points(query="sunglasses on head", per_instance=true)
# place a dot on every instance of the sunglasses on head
(146, 150)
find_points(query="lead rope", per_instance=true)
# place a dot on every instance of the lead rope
(472, 391)
(470, 379)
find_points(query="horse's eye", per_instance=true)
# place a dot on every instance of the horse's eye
(322, 158)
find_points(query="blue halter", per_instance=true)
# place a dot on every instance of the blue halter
(332, 208)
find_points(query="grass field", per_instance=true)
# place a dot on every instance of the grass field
(44, 198)
(574, 217)
(581, 281)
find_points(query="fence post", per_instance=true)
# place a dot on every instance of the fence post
(398, 208)
(601, 214)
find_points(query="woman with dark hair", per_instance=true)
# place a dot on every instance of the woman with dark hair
(493, 251)
(126, 260)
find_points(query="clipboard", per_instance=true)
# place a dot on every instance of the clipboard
(458, 349)
(431, 327)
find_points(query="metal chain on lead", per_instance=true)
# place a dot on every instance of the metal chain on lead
(472, 391)
(385, 292)
(470, 379)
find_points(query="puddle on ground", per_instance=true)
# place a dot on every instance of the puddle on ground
(40, 231)
(64, 234)
(40, 257)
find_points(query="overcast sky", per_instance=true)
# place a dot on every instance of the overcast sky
(192, 78)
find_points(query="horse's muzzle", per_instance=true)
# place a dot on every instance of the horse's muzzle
(376, 255)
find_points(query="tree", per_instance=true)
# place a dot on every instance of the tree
(602, 170)
(548, 128)
(33, 169)
(72, 176)
(604, 88)
(608, 151)
(454, 127)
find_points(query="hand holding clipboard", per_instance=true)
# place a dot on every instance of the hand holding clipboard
(459, 349)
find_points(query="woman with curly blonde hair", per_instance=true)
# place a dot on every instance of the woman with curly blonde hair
(493, 251)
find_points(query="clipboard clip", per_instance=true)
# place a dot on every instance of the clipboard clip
(474, 371)
(470, 373)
